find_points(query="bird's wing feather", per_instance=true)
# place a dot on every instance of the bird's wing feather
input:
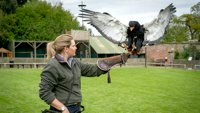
(108, 26)
(156, 28)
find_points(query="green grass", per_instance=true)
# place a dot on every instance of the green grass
(133, 90)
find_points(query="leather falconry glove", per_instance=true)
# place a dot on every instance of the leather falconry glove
(105, 64)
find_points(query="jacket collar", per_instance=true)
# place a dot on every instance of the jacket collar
(60, 59)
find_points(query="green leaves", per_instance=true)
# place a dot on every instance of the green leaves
(8, 6)
(37, 21)
(184, 28)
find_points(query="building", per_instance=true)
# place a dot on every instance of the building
(88, 47)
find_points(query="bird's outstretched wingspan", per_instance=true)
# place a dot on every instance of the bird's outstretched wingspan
(156, 28)
(113, 30)
(108, 26)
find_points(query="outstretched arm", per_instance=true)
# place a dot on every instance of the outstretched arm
(106, 64)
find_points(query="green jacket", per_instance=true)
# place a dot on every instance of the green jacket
(57, 77)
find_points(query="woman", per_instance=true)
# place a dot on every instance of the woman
(60, 85)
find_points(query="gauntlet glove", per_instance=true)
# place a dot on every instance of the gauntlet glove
(105, 64)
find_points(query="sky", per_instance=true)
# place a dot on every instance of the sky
(143, 11)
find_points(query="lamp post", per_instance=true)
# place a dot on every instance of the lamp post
(145, 47)
(82, 6)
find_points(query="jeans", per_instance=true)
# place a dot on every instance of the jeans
(72, 109)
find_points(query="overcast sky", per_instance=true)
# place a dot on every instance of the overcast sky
(142, 11)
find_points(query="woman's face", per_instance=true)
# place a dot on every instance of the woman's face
(71, 51)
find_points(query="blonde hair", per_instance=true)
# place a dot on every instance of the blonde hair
(50, 51)
(57, 46)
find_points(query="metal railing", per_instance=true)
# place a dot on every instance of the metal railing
(157, 64)
(22, 65)
(40, 65)
(197, 66)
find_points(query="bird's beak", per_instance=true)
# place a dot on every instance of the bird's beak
(131, 28)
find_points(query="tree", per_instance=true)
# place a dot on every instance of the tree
(192, 21)
(8, 6)
(186, 27)
(175, 32)
(21, 2)
(196, 13)
(37, 21)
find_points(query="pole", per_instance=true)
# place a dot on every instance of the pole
(109, 79)
(82, 6)
(145, 56)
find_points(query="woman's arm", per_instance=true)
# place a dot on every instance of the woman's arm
(47, 84)
(90, 70)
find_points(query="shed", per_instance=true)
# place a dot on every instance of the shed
(5, 53)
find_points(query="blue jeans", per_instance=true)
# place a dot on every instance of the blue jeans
(72, 109)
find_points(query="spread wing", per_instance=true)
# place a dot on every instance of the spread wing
(156, 28)
(108, 26)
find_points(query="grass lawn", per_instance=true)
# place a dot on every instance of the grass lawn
(133, 90)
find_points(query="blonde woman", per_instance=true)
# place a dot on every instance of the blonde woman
(60, 85)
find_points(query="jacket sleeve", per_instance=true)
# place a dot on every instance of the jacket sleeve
(90, 70)
(47, 84)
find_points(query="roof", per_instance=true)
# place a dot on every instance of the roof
(103, 46)
(2, 50)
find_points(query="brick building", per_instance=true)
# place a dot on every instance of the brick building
(165, 52)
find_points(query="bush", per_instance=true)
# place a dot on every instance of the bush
(190, 51)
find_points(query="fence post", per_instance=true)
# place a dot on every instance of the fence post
(34, 65)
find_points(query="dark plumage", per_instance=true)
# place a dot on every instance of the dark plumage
(116, 32)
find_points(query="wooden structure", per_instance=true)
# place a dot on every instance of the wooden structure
(37, 49)
(82, 39)
(33, 45)
(5, 53)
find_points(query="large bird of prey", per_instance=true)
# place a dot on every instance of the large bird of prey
(116, 32)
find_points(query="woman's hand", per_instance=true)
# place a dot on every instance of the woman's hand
(66, 111)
